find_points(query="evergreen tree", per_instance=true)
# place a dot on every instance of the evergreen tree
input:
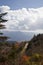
(2, 37)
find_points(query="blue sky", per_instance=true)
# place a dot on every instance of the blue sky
(17, 4)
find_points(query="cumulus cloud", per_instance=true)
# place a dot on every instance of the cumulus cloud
(24, 19)
(4, 9)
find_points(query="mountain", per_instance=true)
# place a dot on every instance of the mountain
(18, 35)
(25, 52)
(35, 45)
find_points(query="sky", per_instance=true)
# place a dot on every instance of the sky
(18, 4)
(23, 15)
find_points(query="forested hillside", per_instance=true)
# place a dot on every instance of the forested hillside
(22, 53)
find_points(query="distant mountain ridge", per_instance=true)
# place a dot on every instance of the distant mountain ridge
(18, 35)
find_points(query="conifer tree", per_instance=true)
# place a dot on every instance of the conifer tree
(2, 37)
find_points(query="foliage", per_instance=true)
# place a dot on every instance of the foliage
(10, 54)
(2, 58)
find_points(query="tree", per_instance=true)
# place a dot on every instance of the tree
(2, 38)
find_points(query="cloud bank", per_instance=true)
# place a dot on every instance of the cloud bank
(24, 19)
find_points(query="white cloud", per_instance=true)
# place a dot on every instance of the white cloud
(4, 9)
(30, 19)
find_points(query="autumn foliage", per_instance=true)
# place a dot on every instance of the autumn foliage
(25, 58)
